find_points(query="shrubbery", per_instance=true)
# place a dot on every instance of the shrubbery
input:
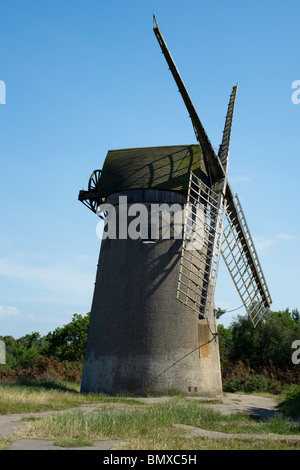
(47, 368)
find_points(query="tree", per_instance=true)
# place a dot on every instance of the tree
(69, 342)
(243, 340)
(275, 337)
(225, 342)
(271, 340)
(219, 312)
(10, 344)
(23, 352)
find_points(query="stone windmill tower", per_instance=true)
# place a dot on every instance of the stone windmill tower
(153, 324)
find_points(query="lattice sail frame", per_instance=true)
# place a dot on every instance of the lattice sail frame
(237, 247)
(201, 247)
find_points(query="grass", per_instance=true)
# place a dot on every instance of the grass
(28, 419)
(30, 397)
(73, 443)
(135, 424)
(151, 427)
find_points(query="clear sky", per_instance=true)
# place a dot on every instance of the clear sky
(86, 76)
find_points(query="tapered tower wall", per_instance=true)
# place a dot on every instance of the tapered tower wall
(141, 339)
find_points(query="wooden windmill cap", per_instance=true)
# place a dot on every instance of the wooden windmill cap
(165, 168)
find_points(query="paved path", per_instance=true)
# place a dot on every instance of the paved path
(238, 403)
(196, 432)
(233, 403)
(35, 444)
(12, 422)
(229, 403)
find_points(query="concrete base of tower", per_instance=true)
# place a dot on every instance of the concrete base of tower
(106, 376)
(152, 375)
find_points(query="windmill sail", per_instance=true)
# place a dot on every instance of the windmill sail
(224, 147)
(212, 163)
(239, 254)
(237, 248)
(249, 282)
(201, 247)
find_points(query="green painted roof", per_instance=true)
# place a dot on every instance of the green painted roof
(165, 168)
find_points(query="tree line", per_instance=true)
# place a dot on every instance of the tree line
(65, 343)
(270, 342)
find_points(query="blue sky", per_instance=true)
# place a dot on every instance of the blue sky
(84, 77)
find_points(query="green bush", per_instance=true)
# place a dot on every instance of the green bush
(290, 404)
(293, 393)
(249, 384)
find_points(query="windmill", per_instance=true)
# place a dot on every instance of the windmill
(153, 323)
